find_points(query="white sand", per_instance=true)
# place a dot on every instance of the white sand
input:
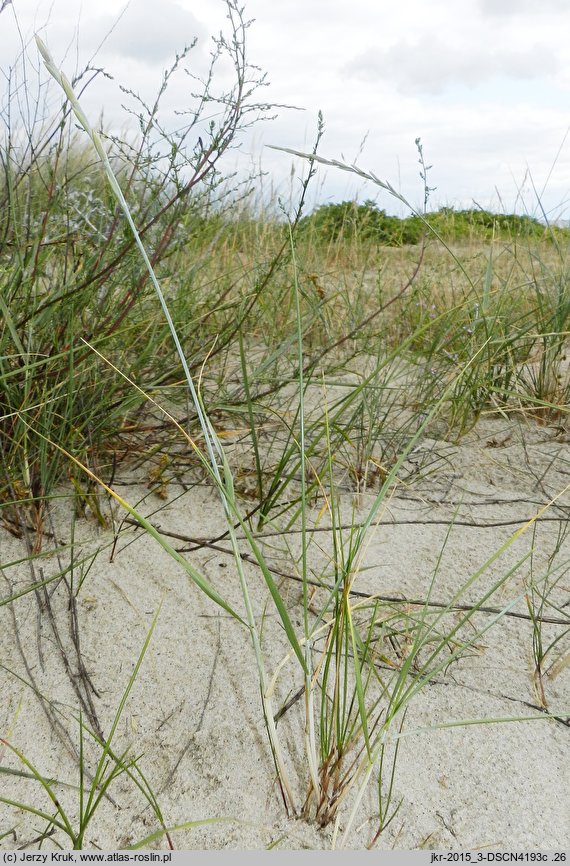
(194, 714)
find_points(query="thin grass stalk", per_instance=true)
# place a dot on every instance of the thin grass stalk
(250, 413)
(311, 748)
(220, 470)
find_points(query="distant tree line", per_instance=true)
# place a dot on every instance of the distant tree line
(331, 222)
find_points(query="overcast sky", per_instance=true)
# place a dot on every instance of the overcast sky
(484, 83)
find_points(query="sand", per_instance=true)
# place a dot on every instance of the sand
(194, 718)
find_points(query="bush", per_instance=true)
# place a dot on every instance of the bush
(350, 220)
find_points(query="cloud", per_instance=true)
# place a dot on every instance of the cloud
(485, 83)
(518, 7)
(133, 32)
(146, 35)
(428, 65)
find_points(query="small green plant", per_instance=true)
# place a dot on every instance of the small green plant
(110, 767)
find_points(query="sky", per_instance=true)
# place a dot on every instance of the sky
(485, 85)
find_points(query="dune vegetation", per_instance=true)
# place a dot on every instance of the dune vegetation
(305, 375)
